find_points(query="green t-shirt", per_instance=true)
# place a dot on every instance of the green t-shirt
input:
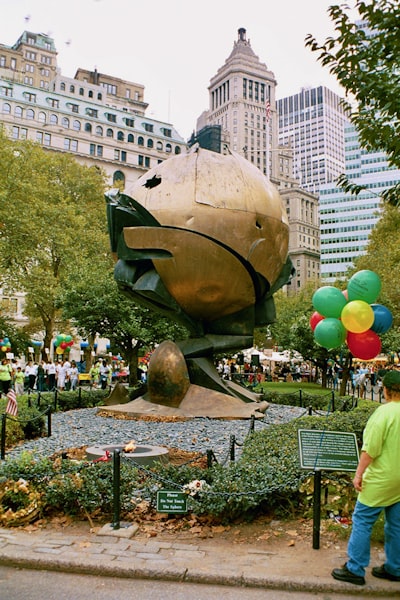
(5, 373)
(381, 440)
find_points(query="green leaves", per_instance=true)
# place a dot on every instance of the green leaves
(366, 64)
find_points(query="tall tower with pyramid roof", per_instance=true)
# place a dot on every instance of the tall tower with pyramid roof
(242, 103)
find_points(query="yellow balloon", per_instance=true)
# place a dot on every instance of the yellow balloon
(357, 316)
(59, 350)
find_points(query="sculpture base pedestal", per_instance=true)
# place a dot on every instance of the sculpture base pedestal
(197, 402)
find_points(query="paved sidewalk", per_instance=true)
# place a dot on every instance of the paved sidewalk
(298, 567)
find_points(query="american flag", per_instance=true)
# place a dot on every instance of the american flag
(267, 110)
(12, 406)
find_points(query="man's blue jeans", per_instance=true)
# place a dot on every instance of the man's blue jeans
(358, 549)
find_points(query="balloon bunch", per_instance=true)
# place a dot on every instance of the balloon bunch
(63, 343)
(351, 316)
(5, 344)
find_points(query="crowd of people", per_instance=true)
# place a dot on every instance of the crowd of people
(49, 376)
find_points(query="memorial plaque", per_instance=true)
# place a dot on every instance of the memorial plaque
(328, 450)
(170, 501)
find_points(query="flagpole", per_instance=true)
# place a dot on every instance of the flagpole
(267, 120)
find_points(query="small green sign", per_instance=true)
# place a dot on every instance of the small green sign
(328, 450)
(169, 501)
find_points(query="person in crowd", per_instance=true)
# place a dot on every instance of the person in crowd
(104, 374)
(41, 375)
(73, 375)
(30, 373)
(377, 481)
(51, 375)
(19, 381)
(5, 376)
(95, 375)
(61, 374)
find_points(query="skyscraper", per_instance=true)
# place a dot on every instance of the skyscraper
(312, 122)
(347, 220)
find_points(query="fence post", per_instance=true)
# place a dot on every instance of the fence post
(55, 399)
(3, 436)
(79, 396)
(232, 448)
(333, 401)
(310, 411)
(209, 458)
(116, 487)
(301, 398)
(38, 400)
(49, 421)
(252, 421)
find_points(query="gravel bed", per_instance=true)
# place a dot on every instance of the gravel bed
(83, 427)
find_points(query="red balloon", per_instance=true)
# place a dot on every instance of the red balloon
(365, 345)
(315, 319)
(63, 345)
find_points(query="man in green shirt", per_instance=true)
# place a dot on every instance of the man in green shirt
(5, 376)
(377, 480)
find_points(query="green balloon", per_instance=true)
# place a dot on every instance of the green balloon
(329, 301)
(330, 333)
(364, 285)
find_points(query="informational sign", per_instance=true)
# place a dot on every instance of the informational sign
(170, 501)
(328, 450)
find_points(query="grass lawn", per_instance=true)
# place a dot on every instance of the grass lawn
(294, 386)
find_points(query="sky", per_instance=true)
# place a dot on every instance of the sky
(174, 47)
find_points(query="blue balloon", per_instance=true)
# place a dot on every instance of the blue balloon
(383, 318)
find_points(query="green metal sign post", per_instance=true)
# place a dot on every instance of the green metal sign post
(325, 450)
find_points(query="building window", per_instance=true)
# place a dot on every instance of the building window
(168, 148)
(167, 132)
(119, 179)
(62, 86)
(110, 88)
(74, 108)
(71, 145)
(111, 117)
(65, 122)
(148, 127)
(43, 138)
(19, 133)
(120, 155)
(2, 61)
(92, 149)
(177, 149)
(147, 162)
(76, 125)
(110, 133)
(53, 102)
(45, 72)
(42, 117)
(150, 143)
(90, 94)
(72, 89)
(99, 150)
(140, 141)
(46, 60)
(81, 92)
(28, 80)
(53, 119)
(29, 68)
(140, 160)
(99, 130)
(159, 146)
(6, 91)
(18, 112)
(30, 114)
(120, 136)
(88, 127)
(129, 122)
(92, 112)
(13, 64)
(130, 138)
(9, 305)
(6, 108)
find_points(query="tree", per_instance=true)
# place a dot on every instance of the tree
(19, 340)
(366, 64)
(383, 256)
(52, 220)
(98, 307)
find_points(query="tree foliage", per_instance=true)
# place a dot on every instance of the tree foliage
(365, 62)
(98, 307)
(52, 220)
